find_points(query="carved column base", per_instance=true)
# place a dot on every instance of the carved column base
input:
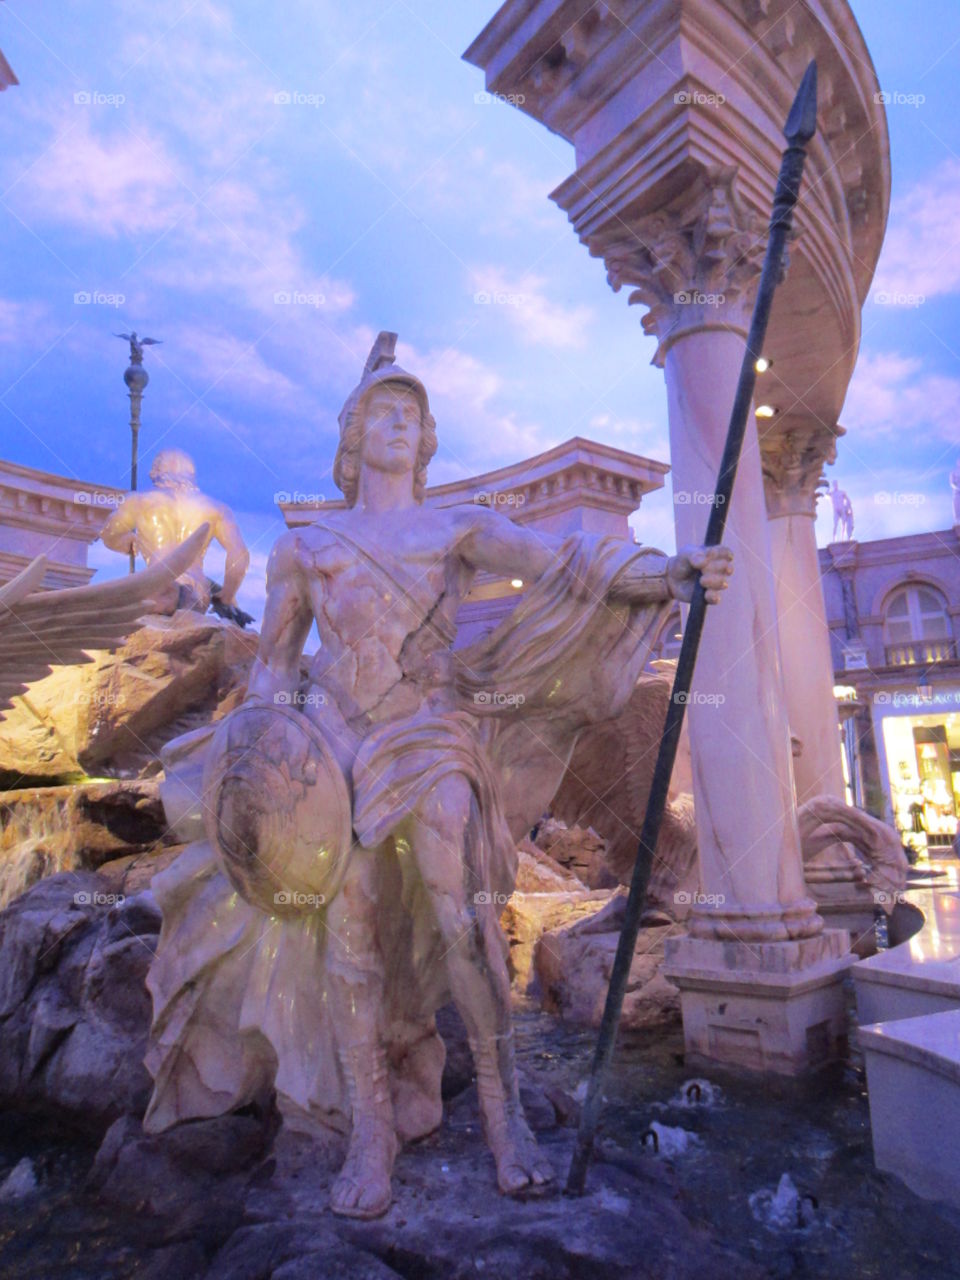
(732, 922)
(776, 1007)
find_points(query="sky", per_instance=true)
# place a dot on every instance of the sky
(263, 188)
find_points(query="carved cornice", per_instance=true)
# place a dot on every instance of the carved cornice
(694, 265)
(793, 460)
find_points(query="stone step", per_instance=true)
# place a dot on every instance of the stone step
(913, 1081)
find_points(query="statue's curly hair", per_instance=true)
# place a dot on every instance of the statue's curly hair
(346, 465)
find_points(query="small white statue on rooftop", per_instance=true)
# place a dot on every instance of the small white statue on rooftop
(842, 514)
(362, 823)
(152, 522)
(955, 486)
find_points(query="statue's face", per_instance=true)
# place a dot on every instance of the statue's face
(391, 429)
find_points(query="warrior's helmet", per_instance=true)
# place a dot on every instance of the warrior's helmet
(380, 370)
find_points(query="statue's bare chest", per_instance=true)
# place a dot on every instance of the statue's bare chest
(379, 588)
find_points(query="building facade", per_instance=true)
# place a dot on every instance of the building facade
(53, 516)
(893, 609)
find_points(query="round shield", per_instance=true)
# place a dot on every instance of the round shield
(277, 808)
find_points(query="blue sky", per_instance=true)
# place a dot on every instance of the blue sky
(145, 155)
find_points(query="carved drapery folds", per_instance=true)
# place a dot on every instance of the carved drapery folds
(694, 265)
(793, 460)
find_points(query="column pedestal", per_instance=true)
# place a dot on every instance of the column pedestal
(776, 1007)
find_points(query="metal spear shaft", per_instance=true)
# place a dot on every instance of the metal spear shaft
(799, 130)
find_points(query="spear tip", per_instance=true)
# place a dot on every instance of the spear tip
(802, 121)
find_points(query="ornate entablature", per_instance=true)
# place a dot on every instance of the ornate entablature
(44, 514)
(793, 458)
(655, 98)
(580, 484)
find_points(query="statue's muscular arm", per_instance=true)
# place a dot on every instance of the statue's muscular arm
(118, 531)
(227, 533)
(287, 617)
(495, 544)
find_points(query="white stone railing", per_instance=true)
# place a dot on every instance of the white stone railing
(921, 652)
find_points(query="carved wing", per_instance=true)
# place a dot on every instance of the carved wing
(40, 630)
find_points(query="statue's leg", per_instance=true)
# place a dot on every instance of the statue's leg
(354, 968)
(478, 978)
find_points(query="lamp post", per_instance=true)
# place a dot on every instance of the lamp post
(136, 378)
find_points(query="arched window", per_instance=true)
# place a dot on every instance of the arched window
(917, 626)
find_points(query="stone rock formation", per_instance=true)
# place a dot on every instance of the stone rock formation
(111, 716)
(45, 830)
(74, 1011)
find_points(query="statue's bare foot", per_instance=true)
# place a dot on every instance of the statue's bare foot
(521, 1165)
(363, 1189)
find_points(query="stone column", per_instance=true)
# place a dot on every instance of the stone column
(759, 976)
(793, 457)
(793, 462)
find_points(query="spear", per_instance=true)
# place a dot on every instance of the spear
(799, 130)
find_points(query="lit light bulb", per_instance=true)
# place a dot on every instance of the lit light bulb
(516, 582)
(766, 411)
(763, 364)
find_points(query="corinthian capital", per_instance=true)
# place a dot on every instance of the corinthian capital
(694, 264)
(793, 459)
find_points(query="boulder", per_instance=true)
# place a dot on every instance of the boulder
(573, 967)
(44, 830)
(577, 849)
(74, 1011)
(527, 917)
(538, 872)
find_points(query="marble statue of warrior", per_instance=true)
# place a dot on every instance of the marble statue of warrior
(152, 522)
(842, 513)
(443, 759)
